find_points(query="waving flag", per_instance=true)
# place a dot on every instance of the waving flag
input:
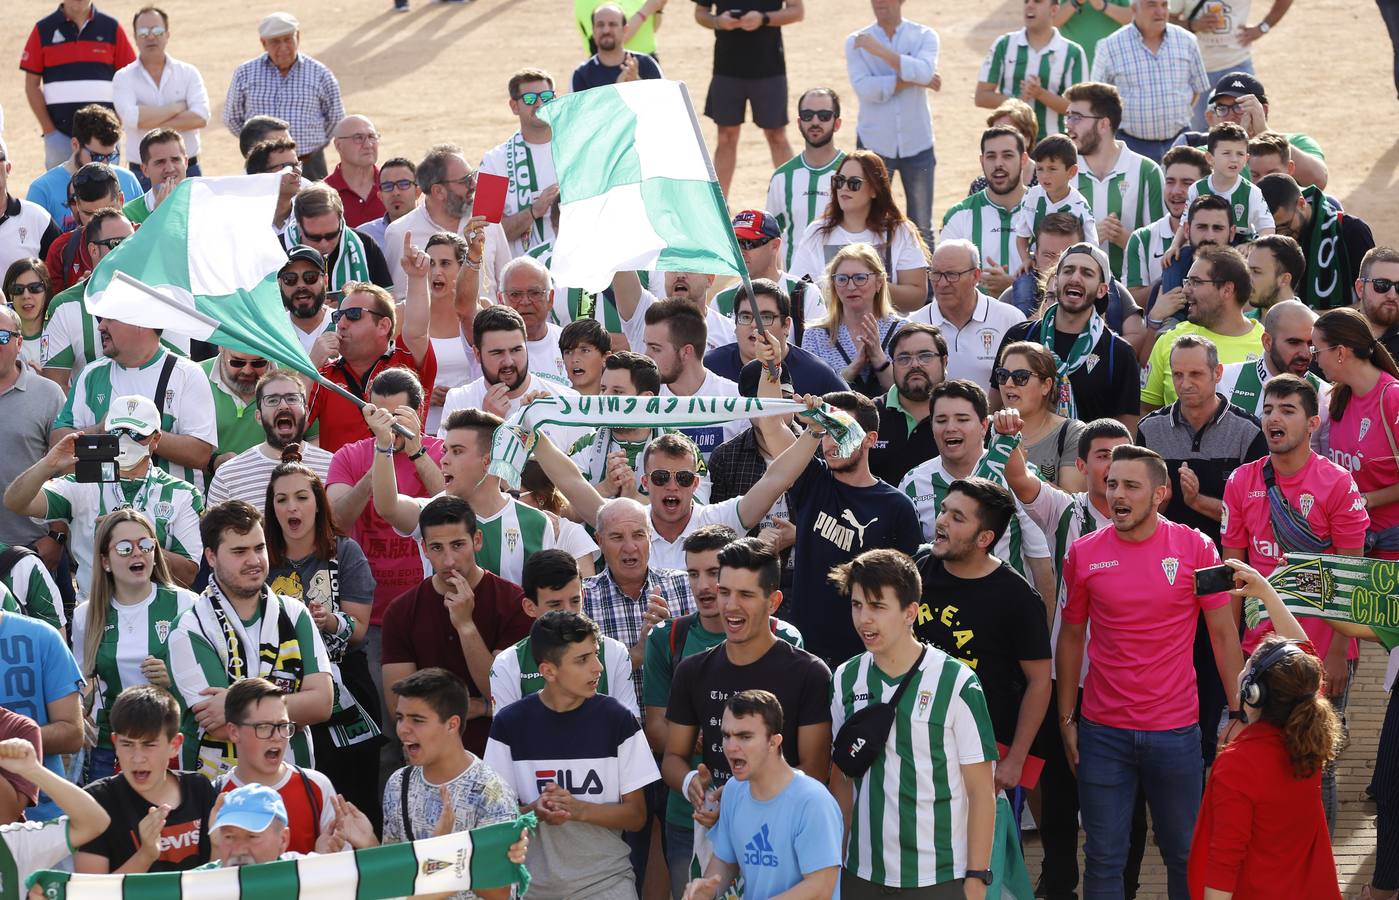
(636, 188)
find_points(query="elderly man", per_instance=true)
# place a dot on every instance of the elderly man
(159, 91)
(525, 287)
(397, 184)
(1157, 68)
(26, 229)
(164, 164)
(973, 323)
(320, 224)
(286, 82)
(356, 178)
(526, 161)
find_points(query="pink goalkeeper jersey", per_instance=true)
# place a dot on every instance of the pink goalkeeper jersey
(1323, 492)
(1358, 443)
(1139, 599)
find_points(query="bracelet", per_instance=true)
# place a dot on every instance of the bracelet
(414, 457)
(767, 20)
(473, 264)
(685, 785)
(387, 451)
(887, 363)
(1156, 324)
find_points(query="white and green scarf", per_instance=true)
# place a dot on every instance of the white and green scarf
(524, 182)
(1328, 281)
(1330, 586)
(512, 442)
(350, 261)
(1079, 353)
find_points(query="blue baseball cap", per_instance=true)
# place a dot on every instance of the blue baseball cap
(251, 807)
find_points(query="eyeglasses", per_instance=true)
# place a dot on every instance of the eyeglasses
(324, 238)
(402, 184)
(126, 548)
(1192, 282)
(1021, 377)
(661, 477)
(923, 358)
(5, 335)
(360, 137)
(110, 243)
(530, 98)
(265, 730)
(825, 115)
(1074, 118)
(354, 314)
(859, 279)
(468, 180)
(272, 401)
(535, 295)
(949, 277)
(103, 157)
(37, 288)
(1378, 285)
(855, 182)
(753, 243)
(1317, 351)
(1225, 109)
(745, 317)
(152, 31)
(307, 277)
(240, 363)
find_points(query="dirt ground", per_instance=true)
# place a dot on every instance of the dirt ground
(439, 74)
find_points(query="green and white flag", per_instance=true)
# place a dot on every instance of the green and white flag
(205, 265)
(636, 188)
(453, 862)
(1329, 586)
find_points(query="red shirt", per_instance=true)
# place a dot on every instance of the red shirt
(358, 211)
(418, 630)
(67, 276)
(342, 421)
(1261, 832)
(14, 725)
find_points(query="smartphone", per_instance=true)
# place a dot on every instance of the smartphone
(97, 458)
(1213, 580)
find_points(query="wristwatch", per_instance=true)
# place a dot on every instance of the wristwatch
(415, 456)
(1264, 27)
(767, 20)
(983, 875)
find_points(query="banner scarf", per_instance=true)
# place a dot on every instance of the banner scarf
(1327, 586)
(513, 441)
(1328, 279)
(453, 862)
(350, 262)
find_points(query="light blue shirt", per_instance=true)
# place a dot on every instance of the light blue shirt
(50, 190)
(894, 124)
(39, 669)
(779, 841)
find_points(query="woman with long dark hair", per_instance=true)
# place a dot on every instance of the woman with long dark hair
(28, 289)
(311, 560)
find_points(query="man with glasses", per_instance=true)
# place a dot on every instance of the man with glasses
(526, 161)
(96, 134)
(320, 224)
(763, 246)
(919, 352)
(26, 228)
(1209, 222)
(972, 323)
(1334, 243)
(800, 189)
(356, 177)
(159, 91)
(285, 82)
(303, 284)
(807, 373)
(1378, 289)
(397, 184)
(70, 340)
(279, 409)
(233, 379)
(525, 287)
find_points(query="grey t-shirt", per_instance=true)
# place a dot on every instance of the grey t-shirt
(28, 410)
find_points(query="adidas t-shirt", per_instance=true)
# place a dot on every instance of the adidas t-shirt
(778, 842)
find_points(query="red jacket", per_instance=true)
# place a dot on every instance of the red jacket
(1261, 832)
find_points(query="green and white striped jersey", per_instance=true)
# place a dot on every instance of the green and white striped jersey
(926, 484)
(32, 591)
(132, 633)
(515, 675)
(1036, 205)
(797, 194)
(1145, 247)
(69, 340)
(172, 505)
(27, 847)
(907, 828)
(1242, 385)
(589, 454)
(982, 221)
(1059, 65)
(1246, 204)
(1134, 191)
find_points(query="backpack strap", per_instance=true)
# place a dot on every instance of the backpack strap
(679, 630)
(403, 804)
(70, 252)
(311, 797)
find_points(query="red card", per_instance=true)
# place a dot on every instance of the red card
(1030, 772)
(490, 196)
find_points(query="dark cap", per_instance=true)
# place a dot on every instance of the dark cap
(307, 254)
(1238, 84)
(753, 370)
(94, 181)
(754, 225)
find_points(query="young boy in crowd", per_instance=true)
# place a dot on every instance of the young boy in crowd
(1056, 165)
(1228, 155)
(160, 818)
(585, 345)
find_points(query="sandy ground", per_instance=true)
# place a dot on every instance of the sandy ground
(439, 74)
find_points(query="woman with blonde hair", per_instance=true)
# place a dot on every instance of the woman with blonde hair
(119, 632)
(862, 210)
(1028, 380)
(860, 320)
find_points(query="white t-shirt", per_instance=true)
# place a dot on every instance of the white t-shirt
(671, 554)
(495, 254)
(473, 394)
(545, 357)
(539, 158)
(308, 338)
(720, 327)
(815, 250)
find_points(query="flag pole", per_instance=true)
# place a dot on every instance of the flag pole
(215, 323)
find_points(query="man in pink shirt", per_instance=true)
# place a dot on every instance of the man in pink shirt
(1295, 500)
(1139, 722)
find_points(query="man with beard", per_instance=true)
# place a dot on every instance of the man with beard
(525, 287)
(800, 189)
(1183, 166)
(1098, 369)
(1276, 266)
(319, 223)
(613, 63)
(70, 340)
(1208, 223)
(279, 408)
(233, 379)
(762, 246)
(919, 352)
(984, 218)
(1335, 243)
(526, 161)
(303, 283)
(1287, 339)
(1215, 292)
(1378, 289)
(675, 338)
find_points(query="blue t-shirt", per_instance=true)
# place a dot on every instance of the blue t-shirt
(593, 73)
(779, 841)
(50, 190)
(36, 668)
(809, 373)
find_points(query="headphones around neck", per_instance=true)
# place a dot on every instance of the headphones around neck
(1254, 692)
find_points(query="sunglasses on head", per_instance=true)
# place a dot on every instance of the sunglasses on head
(126, 548)
(825, 115)
(1378, 285)
(354, 314)
(854, 182)
(308, 277)
(1021, 377)
(530, 98)
(254, 363)
(34, 287)
(661, 477)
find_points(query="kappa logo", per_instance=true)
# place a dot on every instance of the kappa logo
(1364, 427)
(758, 851)
(1105, 564)
(1358, 504)
(1305, 503)
(1171, 566)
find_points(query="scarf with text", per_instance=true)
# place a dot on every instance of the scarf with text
(1328, 586)
(1328, 281)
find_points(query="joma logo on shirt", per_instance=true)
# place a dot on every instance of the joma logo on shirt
(587, 783)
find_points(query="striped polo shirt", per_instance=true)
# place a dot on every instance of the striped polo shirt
(76, 63)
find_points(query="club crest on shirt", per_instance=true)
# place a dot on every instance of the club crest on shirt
(924, 698)
(988, 337)
(162, 630)
(164, 509)
(1090, 361)
(1238, 210)
(1170, 565)
(1364, 427)
(512, 537)
(1305, 503)
(23, 233)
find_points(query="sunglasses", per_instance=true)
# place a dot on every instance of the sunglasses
(37, 288)
(661, 477)
(323, 238)
(110, 243)
(753, 243)
(127, 432)
(859, 279)
(5, 335)
(103, 157)
(309, 277)
(126, 548)
(854, 182)
(354, 314)
(254, 363)
(825, 115)
(153, 31)
(530, 98)
(1021, 377)
(1379, 285)
(402, 184)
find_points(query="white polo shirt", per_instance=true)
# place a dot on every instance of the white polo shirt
(133, 87)
(971, 349)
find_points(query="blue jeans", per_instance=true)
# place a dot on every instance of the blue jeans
(1112, 762)
(1213, 77)
(917, 174)
(1152, 150)
(679, 850)
(101, 762)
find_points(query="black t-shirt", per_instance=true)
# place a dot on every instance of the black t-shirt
(1106, 387)
(703, 683)
(992, 624)
(184, 841)
(898, 449)
(747, 54)
(835, 523)
(593, 73)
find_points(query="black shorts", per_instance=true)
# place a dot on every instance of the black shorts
(728, 98)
